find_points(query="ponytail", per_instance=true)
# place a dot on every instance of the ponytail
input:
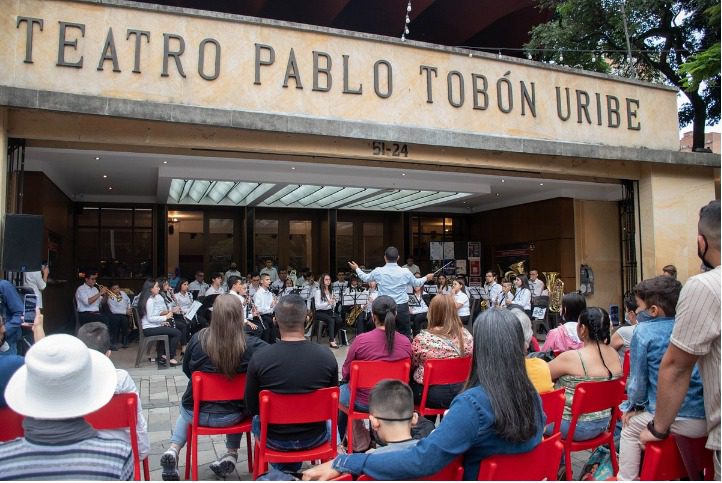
(384, 310)
(596, 320)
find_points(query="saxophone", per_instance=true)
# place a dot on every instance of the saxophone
(556, 291)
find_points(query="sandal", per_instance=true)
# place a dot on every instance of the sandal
(333, 344)
(173, 362)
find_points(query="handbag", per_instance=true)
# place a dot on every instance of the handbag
(598, 466)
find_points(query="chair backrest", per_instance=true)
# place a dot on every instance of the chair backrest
(541, 463)
(209, 386)
(553, 404)
(626, 366)
(365, 374)
(310, 407)
(597, 396)
(447, 371)
(11, 426)
(454, 471)
(664, 460)
(120, 412)
(139, 323)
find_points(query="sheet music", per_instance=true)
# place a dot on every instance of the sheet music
(414, 301)
(307, 292)
(354, 297)
(193, 310)
(475, 292)
(432, 289)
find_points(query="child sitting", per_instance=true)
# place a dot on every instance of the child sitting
(391, 414)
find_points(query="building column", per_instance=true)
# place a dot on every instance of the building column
(670, 198)
(3, 171)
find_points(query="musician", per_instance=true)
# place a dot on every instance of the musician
(232, 270)
(270, 270)
(216, 287)
(364, 323)
(349, 293)
(184, 300)
(289, 288)
(167, 295)
(340, 283)
(89, 297)
(442, 285)
(506, 296)
(255, 284)
(522, 296)
(392, 281)
(310, 283)
(119, 312)
(458, 290)
(199, 284)
(411, 266)
(237, 288)
(279, 284)
(535, 285)
(492, 288)
(325, 301)
(265, 303)
(418, 312)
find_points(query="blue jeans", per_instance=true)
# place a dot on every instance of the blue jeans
(585, 430)
(344, 397)
(290, 444)
(185, 418)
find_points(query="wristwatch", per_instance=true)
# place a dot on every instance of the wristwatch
(655, 433)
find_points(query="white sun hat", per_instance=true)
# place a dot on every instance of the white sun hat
(61, 379)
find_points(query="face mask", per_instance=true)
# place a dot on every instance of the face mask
(626, 319)
(701, 254)
(643, 316)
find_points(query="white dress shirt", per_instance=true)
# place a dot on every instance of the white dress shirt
(35, 281)
(271, 272)
(461, 298)
(184, 301)
(494, 291)
(392, 280)
(263, 300)
(200, 286)
(413, 268)
(83, 294)
(153, 307)
(120, 308)
(214, 291)
(278, 285)
(536, 287)
(323, 304)
(523, 298)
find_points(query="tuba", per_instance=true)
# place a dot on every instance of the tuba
(556, 291)
(515, 269)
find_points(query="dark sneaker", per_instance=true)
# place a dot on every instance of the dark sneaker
(226, 465)
(169, 462)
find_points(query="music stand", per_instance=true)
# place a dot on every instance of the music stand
(414, 301)
(195, 293)
(306, 292)
(475, 292)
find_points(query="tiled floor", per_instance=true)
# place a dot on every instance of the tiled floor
(161, 391)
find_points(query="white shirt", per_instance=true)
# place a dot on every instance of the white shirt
(83, 294)
(271, 272)
(323, 304)
(494, 291)
(229, 274)
(200, 286)
(153, 307)
(412, 268)
(372, 296)
(461, 298)
(125, 384)
(252, 289)
(184, 301)
(35, 281)
(392, 281)
(445, 290)
(536, 286)
(523, 298)
(214, 291)
(263, 300)
(278, 285)
(419, 309)
(504, 299)
(121, 307)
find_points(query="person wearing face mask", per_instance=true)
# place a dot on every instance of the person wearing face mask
(622, 338)
(695, 339)
(565, 337)
(656, 299)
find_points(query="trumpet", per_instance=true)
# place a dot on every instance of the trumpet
(106, 291)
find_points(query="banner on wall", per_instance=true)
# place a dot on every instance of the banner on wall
(474, 250)
(475, 267)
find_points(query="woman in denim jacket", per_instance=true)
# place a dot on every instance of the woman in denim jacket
(486, 419)
(656, 300)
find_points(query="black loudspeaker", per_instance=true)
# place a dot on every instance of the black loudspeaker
(23, 243)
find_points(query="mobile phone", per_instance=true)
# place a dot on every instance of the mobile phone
(614, 314)
(31, 301)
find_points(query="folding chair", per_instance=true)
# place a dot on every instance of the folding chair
(12, 425)
(591, 397)
(442, 371)
(215, 387)
(122, 412)
(454, 471)
(320, 405)
(365, 375)
(541, 463)
(553, 404)
(664, 460)
(144, 342)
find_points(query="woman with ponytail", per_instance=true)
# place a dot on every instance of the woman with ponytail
(595, 361)
(383, 343)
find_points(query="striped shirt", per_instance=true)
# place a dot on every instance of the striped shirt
(95, 458)
(697, 331)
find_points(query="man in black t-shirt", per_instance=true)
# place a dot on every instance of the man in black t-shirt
(291, 366)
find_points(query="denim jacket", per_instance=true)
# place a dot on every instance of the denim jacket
(468, 429)
(649, 343)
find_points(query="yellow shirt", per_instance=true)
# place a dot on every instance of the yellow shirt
(539, 375)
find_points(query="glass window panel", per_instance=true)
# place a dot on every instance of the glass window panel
(142, 266)
(87, 248)
(267, 227)
(220, 226)
(88, 217)
(115, 252)
(373, 244)
(116, 217)
(344, 242)
(344, 228)
(143, 217)
(432, 226)
(300, 253)
(265, 240)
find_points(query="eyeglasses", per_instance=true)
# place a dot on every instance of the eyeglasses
(394, 419)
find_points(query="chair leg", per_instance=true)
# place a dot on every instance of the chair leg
(249, 450)
(141, 350)
(613, 456)
(167, 350)
(256, 462)
(146, 470)
(349, 435)
(189, 462)
(568, 463)
(194, 457)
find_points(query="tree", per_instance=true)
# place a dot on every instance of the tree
(669, 41)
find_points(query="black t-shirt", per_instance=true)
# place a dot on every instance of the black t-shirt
(291, 368)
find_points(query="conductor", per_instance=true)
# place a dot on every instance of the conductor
(392, 280)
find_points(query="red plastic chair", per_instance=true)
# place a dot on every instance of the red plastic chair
(442, 371)
(12, 425)
(274, 408)
(626, 367)
(590, 397)
(365, 375)
(344, 477)
(454, 471)
(541, 463)
(122, 412)
(663, 460)
(553, 404)
(215, 387)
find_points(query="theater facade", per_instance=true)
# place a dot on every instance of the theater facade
(153, 137)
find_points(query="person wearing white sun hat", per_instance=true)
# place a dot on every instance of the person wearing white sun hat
(62, 381)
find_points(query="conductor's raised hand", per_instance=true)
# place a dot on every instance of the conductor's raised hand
(429, 277)
(353, 265)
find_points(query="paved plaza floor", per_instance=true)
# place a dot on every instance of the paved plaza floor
(161, 391)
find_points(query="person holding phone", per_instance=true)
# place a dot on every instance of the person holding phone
(37, 281)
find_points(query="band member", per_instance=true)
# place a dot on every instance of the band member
(310, 283)
(461, 299)
(232, 270)
(364, 323)
(119, 306)
(216, 287)
(522, 296)
(179, 322)
(443, 287)
(325, 301)
(184, 300)
(411, 266)
(340, 283)
(278, 286)
(492, 288)
(199, 284)
(265, 303)
(237, 288)
(535, 285)
(418, 312)
(270, 270)
(289, 288)
(89, 297)
(255, 284)
(393, 280)
(506, 296)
